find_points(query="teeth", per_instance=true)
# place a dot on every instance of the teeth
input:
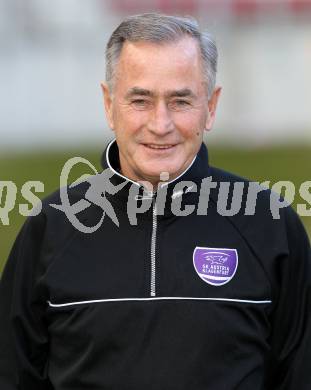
(159, 146)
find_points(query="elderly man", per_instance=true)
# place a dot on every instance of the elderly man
(188, 300)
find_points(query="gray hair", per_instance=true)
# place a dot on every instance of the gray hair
(160, 28)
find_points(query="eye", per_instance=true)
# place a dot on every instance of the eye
(180, 104)
(140, 104)
(183, 103)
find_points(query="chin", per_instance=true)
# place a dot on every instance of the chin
(155, 175)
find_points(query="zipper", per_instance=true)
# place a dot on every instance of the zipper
(153, 249)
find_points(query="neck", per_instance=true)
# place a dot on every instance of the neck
(150, 185)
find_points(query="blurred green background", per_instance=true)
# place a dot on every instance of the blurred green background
(258, 164)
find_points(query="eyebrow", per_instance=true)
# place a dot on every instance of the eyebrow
(138, 91)
(184, 92)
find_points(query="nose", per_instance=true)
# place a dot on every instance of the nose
(160, 121)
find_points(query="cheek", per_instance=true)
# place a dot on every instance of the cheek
(129, 121)
(190, 126)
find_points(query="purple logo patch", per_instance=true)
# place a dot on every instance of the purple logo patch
(216, 266)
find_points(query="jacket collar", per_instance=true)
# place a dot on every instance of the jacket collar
(195, 172)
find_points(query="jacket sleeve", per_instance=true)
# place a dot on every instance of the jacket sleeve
(23, 333)
(291, 328)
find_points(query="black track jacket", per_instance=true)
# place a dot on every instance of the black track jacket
(196, 302)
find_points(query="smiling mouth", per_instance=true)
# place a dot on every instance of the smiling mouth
(159, 147)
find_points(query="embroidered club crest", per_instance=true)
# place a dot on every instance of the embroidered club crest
(216, 266)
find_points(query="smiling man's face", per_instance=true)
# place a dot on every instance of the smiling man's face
(159, 108)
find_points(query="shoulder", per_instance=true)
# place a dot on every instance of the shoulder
(266, 221)
(254, 197)
(54, 221)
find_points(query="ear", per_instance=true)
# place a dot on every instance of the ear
(108, 104)
(212, 105)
